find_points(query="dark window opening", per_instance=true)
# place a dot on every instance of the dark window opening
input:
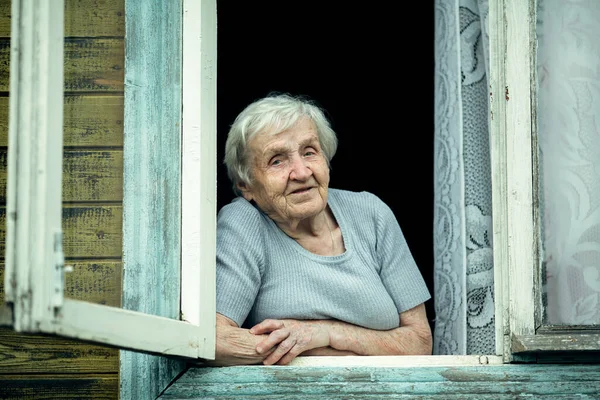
(371, 69)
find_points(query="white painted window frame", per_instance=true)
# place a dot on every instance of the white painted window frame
(199, 163)
(514, 150)
(34, 281)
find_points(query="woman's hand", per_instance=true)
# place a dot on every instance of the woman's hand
(289, 338)
(235, 346)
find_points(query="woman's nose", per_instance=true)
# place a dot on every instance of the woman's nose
(299, 169)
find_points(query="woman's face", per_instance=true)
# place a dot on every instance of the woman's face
(290, 173)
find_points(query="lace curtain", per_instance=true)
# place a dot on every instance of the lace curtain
(569, 138)
(463, 276)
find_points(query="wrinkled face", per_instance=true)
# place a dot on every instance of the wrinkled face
(291, 176)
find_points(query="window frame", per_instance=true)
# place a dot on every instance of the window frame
(515, 186)
(34, 289)
(199, 160)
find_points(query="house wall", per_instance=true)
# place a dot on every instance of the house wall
(35, 366)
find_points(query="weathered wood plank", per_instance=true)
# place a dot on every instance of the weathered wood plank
(93, 232)
(93, 121)
(92, 176)
(102, 18)
(501, 381)
(87, 176)
(95, 281)
(94, 64)
(488, 373)
(89, 121)
(89, 232)
(344, 396)
(152, 182)
(378, 390)
(30, 353)
(59, 387)
(555, 342)
(90, 64)
(88, 18)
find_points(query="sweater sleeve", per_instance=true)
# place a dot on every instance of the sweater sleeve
(239, 261)
(399, 272)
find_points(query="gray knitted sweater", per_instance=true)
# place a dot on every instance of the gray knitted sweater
(263, 273)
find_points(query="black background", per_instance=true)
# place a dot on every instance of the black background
(370, 69)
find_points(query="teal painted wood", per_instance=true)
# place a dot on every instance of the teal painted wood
(152, 164)
(556, 381)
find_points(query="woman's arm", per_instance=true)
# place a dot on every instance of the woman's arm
(327, 351)
(412, 337)
(237, 346)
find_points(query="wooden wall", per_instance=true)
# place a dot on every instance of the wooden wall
(34, 366)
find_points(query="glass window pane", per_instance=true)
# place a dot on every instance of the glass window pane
(568, 73)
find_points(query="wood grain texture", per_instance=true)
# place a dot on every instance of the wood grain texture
(571, 342)
(498, 158)
(94, 281)
(34, 353)
(46, 367)
(89, 121)
(152, 182)
(485, 382)
(521, 227)
(92, 176)
(90, 232)
(59, 387)
(87, 176)
(90, 64)
(102, 18)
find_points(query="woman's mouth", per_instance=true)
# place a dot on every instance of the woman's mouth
(300, 191)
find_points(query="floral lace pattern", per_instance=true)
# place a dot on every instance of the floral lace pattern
(463, 276)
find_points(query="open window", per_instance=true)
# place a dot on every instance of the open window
(34, 279)
(530, 247)
(157, 172)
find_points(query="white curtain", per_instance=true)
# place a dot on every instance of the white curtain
(463, 276)
(568, 69)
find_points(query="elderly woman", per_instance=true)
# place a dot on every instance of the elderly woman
(304, 269)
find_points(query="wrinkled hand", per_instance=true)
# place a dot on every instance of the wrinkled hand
(288, 338)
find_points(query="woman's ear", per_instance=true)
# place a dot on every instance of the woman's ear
(246, 191)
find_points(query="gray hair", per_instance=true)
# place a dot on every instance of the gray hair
(272, 114)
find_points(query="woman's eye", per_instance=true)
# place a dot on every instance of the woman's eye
(275, 162)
